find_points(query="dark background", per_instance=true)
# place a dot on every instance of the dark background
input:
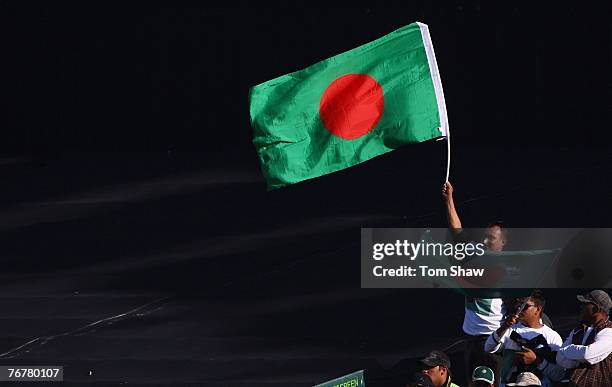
(129, 177)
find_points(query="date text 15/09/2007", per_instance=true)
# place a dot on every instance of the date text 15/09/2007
(426, 271)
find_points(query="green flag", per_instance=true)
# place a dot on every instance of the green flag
(349, 108)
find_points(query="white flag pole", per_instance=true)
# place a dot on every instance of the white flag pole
(448, 156)
(437, 83)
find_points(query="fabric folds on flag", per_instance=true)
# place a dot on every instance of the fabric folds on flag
(349, 108)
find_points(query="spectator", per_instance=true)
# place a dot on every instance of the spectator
(438, 367)
(482, 315)
(586, 351)
(526, 379)
(483, 377)
(533, 343)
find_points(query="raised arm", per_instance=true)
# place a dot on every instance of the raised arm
(454, 223)
(496, 340)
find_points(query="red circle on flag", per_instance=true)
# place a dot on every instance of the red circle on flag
(352, 105)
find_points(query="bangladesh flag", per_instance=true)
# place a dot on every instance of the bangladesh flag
(349, 108)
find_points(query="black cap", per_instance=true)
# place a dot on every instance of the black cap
(420, 379)
(436, 358)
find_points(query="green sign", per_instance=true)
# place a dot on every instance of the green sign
(351, 380)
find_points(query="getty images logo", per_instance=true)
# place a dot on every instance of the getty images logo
(414, 250)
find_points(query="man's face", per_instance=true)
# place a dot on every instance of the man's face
(587, 312)
(481, 383)
(531, 312)
(494, 238)
(437, 375)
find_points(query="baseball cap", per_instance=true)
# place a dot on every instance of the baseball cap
(526, 379)
(436, 358)
(483, 373)
(421, 380)
(599, 298)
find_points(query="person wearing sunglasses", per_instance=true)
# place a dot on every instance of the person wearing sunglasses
(530, 343)
(587, 350)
